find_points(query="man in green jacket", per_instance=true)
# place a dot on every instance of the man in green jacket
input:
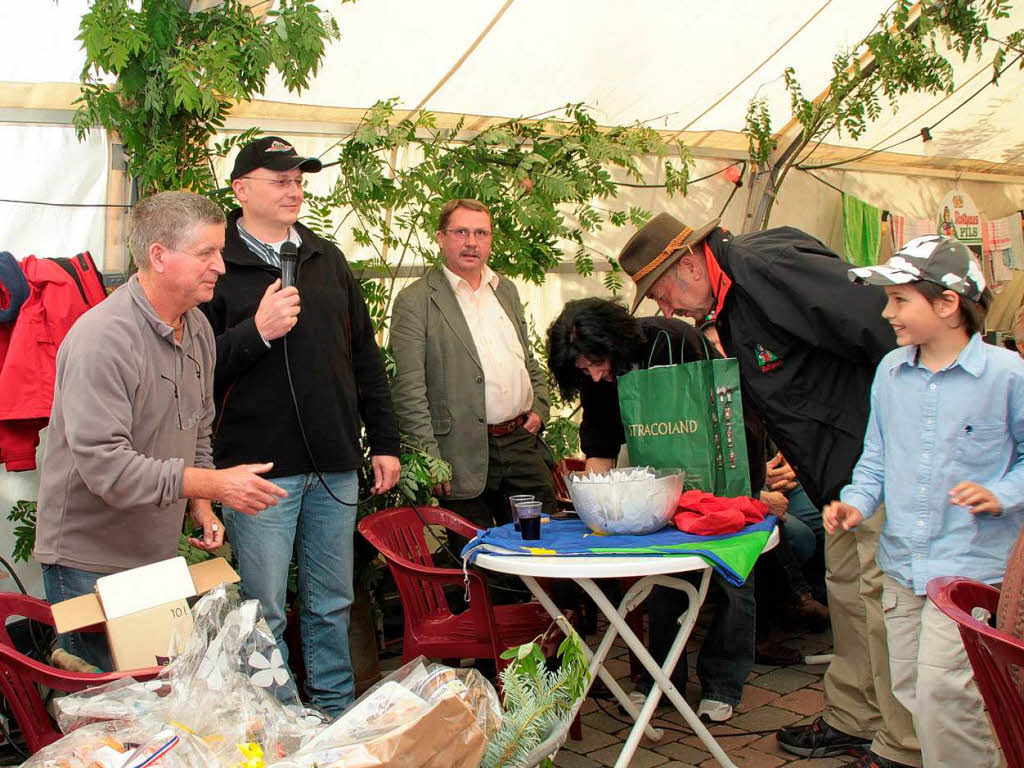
(467, 386)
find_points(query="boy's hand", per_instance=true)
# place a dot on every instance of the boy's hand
(977, 497)
(840, 514)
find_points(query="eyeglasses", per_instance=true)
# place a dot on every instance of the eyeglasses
(194, 418)
(463, 234)
(278, 183)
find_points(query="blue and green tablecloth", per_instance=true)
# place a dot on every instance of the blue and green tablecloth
(732, 555)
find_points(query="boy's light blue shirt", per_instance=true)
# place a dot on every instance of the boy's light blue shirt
(928, 432)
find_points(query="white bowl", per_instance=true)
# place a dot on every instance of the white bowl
(627, 506)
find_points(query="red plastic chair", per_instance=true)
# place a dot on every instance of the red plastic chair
(20, 674)
(992, 654)
(560, 470)
(484, 630)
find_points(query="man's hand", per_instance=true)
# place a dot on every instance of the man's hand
(239, 487)
(278, 311)
(213, 530)
(840, 514)
(386, 470)
(777, 503)
(780, 476)
(977, 497)
(533, 423)
(442, 489)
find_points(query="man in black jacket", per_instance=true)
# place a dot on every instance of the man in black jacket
(807, 342)
(306, 420)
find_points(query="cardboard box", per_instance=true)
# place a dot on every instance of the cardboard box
(144, 609)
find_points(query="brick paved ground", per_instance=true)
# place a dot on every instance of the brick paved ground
(773, 697)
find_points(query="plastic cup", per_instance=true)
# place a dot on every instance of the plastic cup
(517, 499)
(529, 519)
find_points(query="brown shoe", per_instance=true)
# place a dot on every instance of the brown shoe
(809, 612)
(772, 653)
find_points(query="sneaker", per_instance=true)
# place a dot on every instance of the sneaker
(870, 760)
(638, 698)
(713, 711)
(819, 739)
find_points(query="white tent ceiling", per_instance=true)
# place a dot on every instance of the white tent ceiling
(685, 68)
(679, 64)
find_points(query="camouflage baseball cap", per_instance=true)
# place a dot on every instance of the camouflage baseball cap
(941, 260)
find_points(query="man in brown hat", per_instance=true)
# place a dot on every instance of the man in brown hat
(807, 342)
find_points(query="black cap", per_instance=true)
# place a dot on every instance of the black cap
(942, 260)
(272, 153)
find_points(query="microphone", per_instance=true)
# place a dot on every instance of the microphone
(289, 257)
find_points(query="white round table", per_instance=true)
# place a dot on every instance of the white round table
(652, 570)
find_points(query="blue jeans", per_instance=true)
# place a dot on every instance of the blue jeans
(800, 538)
(63, 583)
(802, 508)
(727, 652)
(319, 531)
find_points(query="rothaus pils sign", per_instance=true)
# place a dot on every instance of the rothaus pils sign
(959, 218)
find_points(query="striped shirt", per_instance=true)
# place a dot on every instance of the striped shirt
(268, 252)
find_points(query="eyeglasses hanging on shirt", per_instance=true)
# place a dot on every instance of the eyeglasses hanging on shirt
(191, 421)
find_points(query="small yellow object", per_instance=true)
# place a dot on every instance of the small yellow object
(253, 754)
(540, 551)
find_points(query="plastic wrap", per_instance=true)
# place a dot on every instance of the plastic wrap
(136, 743)
(421, 714)
(231, 687)
(124, 699)
(227, 701)
(228, 688)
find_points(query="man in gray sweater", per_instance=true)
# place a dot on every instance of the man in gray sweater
(129, 437)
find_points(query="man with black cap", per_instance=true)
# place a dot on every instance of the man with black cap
(292, 387)
(807, 343)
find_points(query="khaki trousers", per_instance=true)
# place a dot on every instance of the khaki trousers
(858, 692)
(932, 678)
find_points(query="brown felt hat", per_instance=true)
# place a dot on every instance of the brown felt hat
(655, 247)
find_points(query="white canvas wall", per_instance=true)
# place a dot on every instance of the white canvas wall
(47, 164)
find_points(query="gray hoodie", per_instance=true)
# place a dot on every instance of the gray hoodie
(131, 409)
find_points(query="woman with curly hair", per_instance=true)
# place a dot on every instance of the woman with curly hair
(593, 342)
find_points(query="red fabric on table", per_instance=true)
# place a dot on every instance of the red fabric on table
(705, 514)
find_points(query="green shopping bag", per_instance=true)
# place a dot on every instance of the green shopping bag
(688, 415)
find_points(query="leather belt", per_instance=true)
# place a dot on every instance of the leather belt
(506, 427)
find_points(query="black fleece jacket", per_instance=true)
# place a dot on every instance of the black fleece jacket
(336, 366)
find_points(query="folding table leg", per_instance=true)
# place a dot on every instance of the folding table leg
(662, 677)
(596, 659)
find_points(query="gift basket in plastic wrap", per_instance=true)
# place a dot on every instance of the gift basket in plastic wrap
(228, 701)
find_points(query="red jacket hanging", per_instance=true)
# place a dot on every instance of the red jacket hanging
(60, 290)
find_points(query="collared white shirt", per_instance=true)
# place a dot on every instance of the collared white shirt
(507, 388)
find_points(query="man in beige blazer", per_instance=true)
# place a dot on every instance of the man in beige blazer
(467, 386)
